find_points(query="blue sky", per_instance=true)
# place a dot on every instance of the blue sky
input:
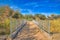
(46, 7)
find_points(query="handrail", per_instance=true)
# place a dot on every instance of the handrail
(41, 26)
(14, 34)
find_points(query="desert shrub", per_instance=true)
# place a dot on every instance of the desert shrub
(5, 27)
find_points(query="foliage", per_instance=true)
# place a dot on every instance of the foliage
(53, 16)
(40, 16)
(15, 16)
(29, 17)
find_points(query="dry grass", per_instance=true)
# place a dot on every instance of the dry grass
(55, 26)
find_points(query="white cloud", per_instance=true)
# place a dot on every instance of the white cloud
(14, 7)
(27, 11)
(48, 14)
(31, 12)
(22, 9)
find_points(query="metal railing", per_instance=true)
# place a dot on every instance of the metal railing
(43, 24)
(14, 30)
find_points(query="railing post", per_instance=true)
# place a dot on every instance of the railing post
(48, 26)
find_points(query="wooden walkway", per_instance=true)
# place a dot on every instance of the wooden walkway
(31, 31)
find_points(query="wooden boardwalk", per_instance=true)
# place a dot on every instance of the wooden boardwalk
(31, 31)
